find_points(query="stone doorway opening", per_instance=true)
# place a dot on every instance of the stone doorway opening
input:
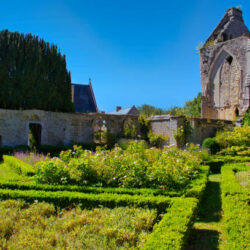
(35, 135)
(236, 112)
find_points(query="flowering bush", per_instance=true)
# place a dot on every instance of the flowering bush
(240, 136)
(52, 171)
(236, 142)
(135, 166)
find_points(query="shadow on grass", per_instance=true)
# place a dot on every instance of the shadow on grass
(210, 207)
(203, 239)
(209, 212)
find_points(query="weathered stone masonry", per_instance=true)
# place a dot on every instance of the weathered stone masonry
(167, 125)
(58, 128)
(225, 69)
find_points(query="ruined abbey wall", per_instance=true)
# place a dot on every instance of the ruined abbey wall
(58, 128)
(225, 76)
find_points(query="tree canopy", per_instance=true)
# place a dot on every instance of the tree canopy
(33, 74)
(191, 108)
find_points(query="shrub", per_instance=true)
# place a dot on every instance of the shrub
(156, 140)
(130, 130)
(81, 170)
(53, 171)
(134, 166)
(182, 133)
(211, 145)
(240, 136)
(246, 119)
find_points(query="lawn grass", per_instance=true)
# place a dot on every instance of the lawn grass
(207, 231)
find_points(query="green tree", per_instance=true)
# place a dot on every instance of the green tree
(149, 110)
(33, 74)
(193, 108)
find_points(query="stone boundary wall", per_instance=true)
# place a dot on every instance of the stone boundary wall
(166, 125)
(58, 128)
(201, 128)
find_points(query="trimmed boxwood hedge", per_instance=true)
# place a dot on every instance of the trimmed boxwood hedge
(195, 188)
(174, 228)
(218, 161)
(19, 166)
(65, 199)
(235, 204)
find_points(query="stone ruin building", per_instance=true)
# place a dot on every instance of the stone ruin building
(225, 69)
(225, 78)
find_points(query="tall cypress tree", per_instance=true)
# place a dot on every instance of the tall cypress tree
(33, 74)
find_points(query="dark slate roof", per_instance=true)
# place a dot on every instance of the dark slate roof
(83, 98)
(127, 111)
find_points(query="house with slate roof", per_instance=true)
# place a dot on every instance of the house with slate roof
(83, 98)
(127, 111)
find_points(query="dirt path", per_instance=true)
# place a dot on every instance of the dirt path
(207, 232)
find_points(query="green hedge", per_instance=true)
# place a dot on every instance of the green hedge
(198, 185)
(195, 188)
(19, 166)
(65, 199)
(174, 228)
(235, 204)
(230, 185)
(216, 162)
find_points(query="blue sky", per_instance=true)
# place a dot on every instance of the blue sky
(136, 51)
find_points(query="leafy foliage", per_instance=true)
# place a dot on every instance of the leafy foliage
(38, 226)
(33, 74)
(246, 119)
(236, 142)
(191, 108)
(240, 136)
(211, 145)
(134, 166)
(157, 140)
(182, 133)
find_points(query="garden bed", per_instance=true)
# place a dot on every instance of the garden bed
(40, 226)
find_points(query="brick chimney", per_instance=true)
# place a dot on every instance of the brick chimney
(118, 108)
